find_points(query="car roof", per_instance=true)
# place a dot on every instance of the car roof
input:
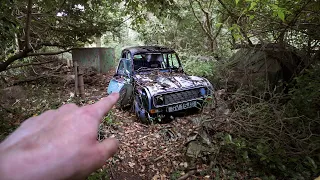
(148, 49)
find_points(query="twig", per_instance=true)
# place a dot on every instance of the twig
(158, 158)
(144, 137)
(190, 173)
(34, 71)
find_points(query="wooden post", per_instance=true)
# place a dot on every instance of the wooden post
(68, 63)
(81, 83)
(76, 81)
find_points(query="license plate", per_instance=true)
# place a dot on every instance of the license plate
(182, 106)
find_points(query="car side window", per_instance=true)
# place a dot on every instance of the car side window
(124, 55)
(128, 55)
(121, 69)
(172, 60)
(128, 65)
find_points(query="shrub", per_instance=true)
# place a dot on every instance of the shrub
(305, 94)
(262, 138)
(277, 137)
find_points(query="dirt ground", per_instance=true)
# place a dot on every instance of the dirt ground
(146, 152)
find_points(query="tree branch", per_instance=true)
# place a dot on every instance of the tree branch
(199, 21)
(53, 44)
(26, 53)
(30, 64)
(208, 19)
(234, 17)
(20, 55)
(220, 28)
(49, 53)
(229, 12)
(292, 22)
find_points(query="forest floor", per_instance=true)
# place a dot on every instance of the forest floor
(146, 152)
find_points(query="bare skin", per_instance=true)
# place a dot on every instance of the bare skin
(58, 144)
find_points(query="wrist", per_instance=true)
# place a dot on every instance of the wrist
(4, 164)
(13, 166)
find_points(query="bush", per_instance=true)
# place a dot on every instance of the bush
(263, 138)
(305, 94)
(277, 137)
(199, 66)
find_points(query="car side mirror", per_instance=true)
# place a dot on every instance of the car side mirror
(127, 73)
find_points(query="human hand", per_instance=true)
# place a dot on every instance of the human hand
(58, 144)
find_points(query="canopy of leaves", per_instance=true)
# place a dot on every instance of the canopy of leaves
(29, 25)
(211, 27)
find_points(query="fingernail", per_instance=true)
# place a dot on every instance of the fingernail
(115, 94)
(115, 141)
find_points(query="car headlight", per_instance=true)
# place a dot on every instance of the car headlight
(203, 92)
(159, 100)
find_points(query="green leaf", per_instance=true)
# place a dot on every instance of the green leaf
(252, 5)
(237, 1)
(219, 25)
(311, 162)
(228, 138)
(281, 14)
(245, 155)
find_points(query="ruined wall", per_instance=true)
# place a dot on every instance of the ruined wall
(101, 59)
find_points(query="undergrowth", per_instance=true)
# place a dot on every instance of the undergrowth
(197, 65)
(276, 137)
(271, 134)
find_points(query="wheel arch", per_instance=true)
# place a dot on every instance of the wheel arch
(145, 91)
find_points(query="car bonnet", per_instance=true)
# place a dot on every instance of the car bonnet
(165, 82)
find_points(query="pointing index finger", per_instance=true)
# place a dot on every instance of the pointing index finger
(102, 107)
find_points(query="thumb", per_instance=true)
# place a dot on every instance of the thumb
(97, 158)
(107, 148)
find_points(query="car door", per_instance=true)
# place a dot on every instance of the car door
(121, 77)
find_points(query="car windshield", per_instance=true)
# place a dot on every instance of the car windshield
(155, 61)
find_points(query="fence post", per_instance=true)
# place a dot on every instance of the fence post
(76, 81)
(81, 83)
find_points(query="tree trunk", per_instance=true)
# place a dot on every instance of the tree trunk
(98, 41)
(213, 45)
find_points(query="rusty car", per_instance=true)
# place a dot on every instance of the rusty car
(151, 80)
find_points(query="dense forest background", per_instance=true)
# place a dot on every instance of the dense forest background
(271, 129)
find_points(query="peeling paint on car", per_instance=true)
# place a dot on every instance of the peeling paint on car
(163, 82)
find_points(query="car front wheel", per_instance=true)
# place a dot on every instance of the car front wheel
(140, 112)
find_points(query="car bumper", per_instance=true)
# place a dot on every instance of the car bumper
(179, 107)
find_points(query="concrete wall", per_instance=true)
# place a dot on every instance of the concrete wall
(101, 59)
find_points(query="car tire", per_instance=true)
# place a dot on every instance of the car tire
(141, 113)
(125, 98)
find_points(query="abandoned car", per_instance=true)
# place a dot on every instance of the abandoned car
(151, 80)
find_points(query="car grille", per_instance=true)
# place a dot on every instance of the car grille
(177, 97)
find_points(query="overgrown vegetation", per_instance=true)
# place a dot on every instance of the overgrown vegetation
(270, 132)
(267, 137)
